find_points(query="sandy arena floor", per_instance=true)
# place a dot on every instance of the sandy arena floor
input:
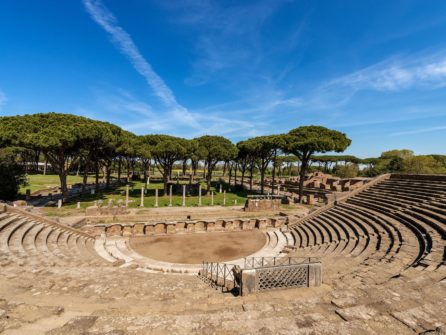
(196, 248)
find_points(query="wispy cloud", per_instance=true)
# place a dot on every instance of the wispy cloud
(396, 76)
(393, 75)
(123, 41)
(102, 16)
(419, 131)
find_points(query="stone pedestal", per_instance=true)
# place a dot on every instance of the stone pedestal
(248, 282)
(314, 274)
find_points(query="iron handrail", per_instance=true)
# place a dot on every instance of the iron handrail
(262, 262)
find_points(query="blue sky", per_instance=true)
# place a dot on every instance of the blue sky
(375, 70)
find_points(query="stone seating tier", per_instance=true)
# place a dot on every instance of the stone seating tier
(382, 249)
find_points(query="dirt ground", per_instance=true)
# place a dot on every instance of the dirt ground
(196, 248)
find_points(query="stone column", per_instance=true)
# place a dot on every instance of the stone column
(184, 196)
(78, 205)
(224, 198)
(127, 196)
(170, 196)
(156, 197)
(212, 198)
(142, 197)
(199, 195)
(59, 203)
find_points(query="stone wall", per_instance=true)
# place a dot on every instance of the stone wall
(257, 205)
(182, 227)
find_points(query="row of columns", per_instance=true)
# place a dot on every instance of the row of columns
(127, 191)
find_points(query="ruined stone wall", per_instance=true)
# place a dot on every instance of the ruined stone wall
(257, 205)
(181, 227)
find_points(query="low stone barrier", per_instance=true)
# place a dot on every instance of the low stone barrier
(183, 227)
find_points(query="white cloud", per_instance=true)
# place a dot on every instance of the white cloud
(419, 131)
(123, 41)
(396, 75)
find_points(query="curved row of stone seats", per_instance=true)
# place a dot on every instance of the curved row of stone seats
(392, 227)
(26, 241)
(423, 216)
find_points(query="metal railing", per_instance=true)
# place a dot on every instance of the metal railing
(219, 275)
(262, 262)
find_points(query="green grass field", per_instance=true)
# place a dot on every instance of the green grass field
(37, 182)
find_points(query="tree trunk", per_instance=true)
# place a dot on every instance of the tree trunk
(119, 169)
(274, 172)
(262, 179)
(251, 172)
(302, 172)
(128, 169)
(96, 173)
(235, 174)
(63, 183)
(209, 178)
(243, 170)
(184, 167)
(107, 179)
(165, 181)
(230, 173)
(84, 180)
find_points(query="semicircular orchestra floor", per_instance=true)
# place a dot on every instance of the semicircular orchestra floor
(196, 248)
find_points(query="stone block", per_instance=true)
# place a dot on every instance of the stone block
(219, 225)
(246, 225)
(138, 229)
(180, 227)
(227, 225)
(190, 226)
(200, 226)
(237, 225)
(261, 223)
(248, 283)
(160, 228)
(210, 226)
(149, 229)
(127, 230)
(171, 228)
(314, 274)
(114, 230)
(98, 230)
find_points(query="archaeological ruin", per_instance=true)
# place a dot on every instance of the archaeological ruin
(370, 261)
